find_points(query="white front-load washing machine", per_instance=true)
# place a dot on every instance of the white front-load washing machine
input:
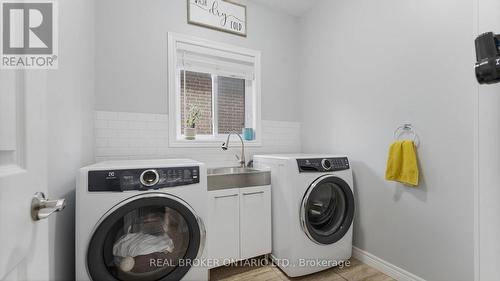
(312, 211)
(141, 220)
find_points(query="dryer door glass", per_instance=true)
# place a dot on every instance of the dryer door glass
(152, 238)
(327, 210)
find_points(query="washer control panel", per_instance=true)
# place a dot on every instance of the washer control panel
(142, 179)
(321, 165)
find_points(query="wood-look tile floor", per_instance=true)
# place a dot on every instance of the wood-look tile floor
(355, 271)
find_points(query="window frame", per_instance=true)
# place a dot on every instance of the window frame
(174, 93)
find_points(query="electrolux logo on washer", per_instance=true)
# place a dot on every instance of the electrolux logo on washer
(29, 34)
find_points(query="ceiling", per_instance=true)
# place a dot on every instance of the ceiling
(292, 7)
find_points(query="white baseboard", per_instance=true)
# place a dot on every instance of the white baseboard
(384, 266)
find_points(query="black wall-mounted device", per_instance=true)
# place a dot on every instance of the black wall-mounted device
(488, 58)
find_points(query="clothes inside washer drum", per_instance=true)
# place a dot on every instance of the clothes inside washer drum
(140, 244)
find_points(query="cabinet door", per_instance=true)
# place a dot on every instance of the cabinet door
(223, 226)
(255, 221)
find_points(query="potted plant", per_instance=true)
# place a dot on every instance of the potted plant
(193, 116)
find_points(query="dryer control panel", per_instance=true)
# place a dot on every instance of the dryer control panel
(322, 165)
(142, 179)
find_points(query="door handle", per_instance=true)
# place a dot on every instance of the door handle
(225, 196)
(253, 193)
(42, 208)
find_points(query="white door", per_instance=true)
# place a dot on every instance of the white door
(255, 221)
(23, 159)
(489, 158)
(223, 228)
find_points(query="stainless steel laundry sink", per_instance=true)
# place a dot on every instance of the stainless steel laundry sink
(237, 177)
(232, 170)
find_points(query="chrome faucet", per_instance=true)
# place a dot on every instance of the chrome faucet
(225, 146)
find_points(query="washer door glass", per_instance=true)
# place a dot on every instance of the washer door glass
(152, 238)
(327, 210)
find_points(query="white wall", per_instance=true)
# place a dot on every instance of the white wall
(131, 75)
(369, 66)
(489, 156)
(70, 107)
(131, 54)
(126, 135)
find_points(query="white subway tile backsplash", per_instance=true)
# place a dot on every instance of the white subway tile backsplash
(101, 124)
(106, 115)
(158, 125)
(104, 133)
(139, 125)
(161, 117)
(101, 142)
(119, 142)
(118, 124)
(124, 135)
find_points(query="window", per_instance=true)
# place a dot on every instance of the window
(218, 81)
(220, 99)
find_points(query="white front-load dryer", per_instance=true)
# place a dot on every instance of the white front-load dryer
(141, 220)
(312, 211)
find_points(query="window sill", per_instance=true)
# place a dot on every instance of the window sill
(209, 143)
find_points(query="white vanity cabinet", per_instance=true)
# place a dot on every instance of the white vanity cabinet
(239, 223)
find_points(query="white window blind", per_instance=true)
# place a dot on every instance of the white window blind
(197, 58)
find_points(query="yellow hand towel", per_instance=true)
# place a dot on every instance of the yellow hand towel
(402, 165)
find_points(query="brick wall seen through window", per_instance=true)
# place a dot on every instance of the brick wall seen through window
(198, 92)
(230, 102)
(231, 105)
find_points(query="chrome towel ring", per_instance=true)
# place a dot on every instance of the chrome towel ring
(407, 129)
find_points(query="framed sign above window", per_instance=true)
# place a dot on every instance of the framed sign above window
(218, 14)
(222, 82)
